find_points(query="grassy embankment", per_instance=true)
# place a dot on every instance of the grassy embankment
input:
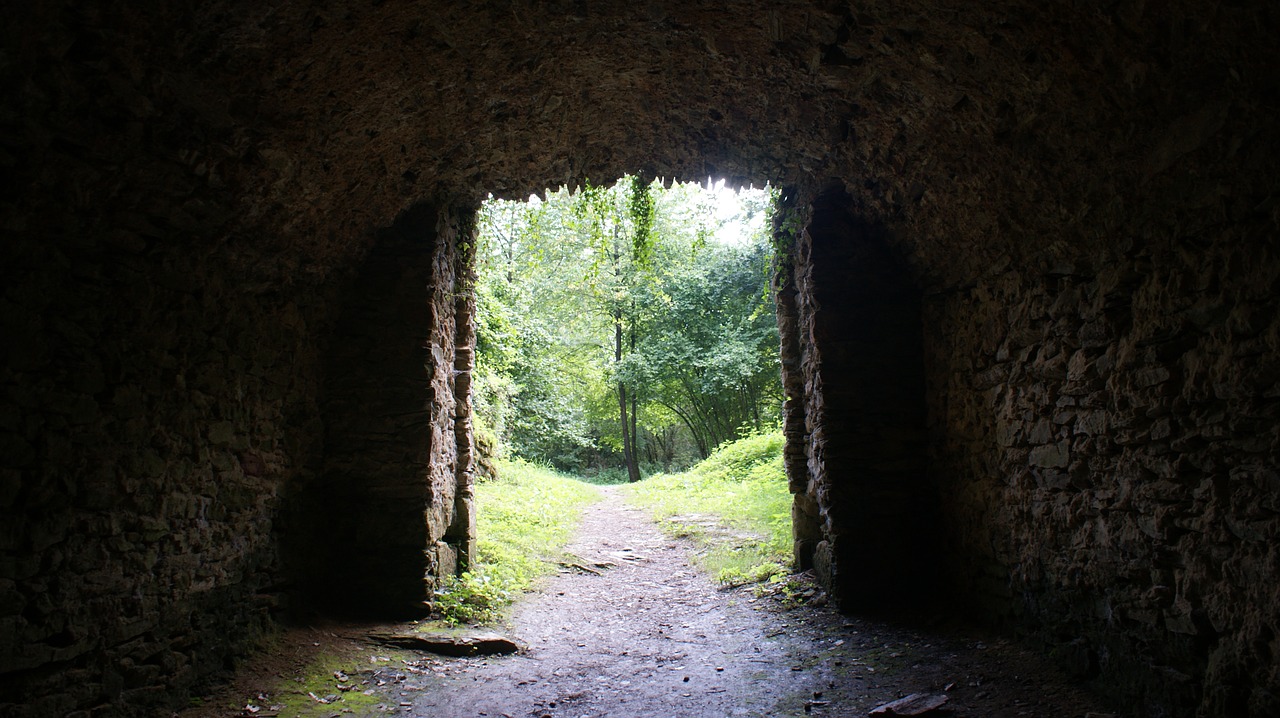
(523, 520)
(734, 506)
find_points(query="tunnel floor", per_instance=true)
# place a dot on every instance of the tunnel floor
(649, 635)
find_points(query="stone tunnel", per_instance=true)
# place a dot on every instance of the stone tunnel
(1028, 309)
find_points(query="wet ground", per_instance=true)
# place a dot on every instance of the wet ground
(635, 630)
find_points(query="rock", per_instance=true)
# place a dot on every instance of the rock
(451, 644)
(916, 704)
(1051, 455)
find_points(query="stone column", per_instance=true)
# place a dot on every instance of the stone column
(382, 525)
(462, 532)
(862, 383)
(804, 509)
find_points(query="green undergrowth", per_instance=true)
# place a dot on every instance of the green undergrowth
(734, 506)
(336, 681)
(317, 692)
(523, 519)
(605, 476)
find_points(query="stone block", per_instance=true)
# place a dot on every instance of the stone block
(1055, 455)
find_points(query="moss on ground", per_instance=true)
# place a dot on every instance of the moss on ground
(346, 681)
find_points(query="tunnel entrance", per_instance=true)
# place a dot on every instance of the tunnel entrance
(625, 333)
(864, 514)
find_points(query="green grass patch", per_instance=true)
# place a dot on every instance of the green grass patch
(343, 681)
(523, 520)
(734, 505)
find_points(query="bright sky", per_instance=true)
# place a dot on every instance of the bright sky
(730, 211)
(730, 214)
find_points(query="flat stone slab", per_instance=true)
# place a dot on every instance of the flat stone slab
(482, 643)
(916, 704)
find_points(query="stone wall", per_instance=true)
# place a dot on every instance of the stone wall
(154, 409)
(157, 394)
(1107, 439)
(164, 358)
(866, 514)
(392, 512)
(1103, 441)
(164, 434)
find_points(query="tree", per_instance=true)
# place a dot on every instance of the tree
(711, 358)
(622, 292)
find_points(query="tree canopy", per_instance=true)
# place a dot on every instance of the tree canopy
(625, 326)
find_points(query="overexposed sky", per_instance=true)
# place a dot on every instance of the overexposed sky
(729, 212)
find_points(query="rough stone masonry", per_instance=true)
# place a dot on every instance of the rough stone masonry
(1028, 300)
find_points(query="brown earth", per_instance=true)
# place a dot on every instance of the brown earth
(650, 635)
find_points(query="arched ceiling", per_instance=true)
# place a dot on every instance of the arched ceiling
(980, 133)
(912, 106)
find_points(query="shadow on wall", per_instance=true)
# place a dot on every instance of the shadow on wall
(866, 508)
(362, 535)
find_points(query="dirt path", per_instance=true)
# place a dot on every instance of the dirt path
(651, 636)
(647, 636)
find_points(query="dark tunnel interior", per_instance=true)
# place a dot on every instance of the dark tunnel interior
(1030, 337)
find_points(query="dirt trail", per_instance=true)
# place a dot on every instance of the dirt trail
(648, 635)
(651, 636)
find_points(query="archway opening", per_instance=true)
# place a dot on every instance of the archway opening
(627, 332)
(625, 327)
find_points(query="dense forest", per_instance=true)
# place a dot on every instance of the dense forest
(625, 329)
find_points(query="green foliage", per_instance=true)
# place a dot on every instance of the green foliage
(528, 366)
(640, 211)
(523, 519)
(787, 590)
(587, 297)
(789, 222)
(734, 505)
(329, 684)
(759, 573)
(606, 476)
(757, 457)
(710, 358)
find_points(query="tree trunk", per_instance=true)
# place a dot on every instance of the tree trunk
(633, 469)
(628, 446)
(628, 442)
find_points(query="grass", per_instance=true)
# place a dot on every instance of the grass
(524, 519)
(734, 505)
(309, 674)
(318, 692)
